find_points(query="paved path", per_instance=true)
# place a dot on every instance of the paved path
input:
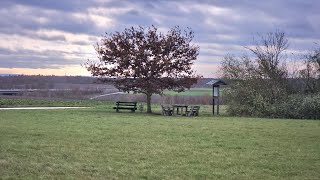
(107, 95)
(42, 108)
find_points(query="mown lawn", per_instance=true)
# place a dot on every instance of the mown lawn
(6, 102)
(97, 143)
(191, 92)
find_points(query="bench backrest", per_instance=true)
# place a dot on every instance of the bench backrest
(121, 103)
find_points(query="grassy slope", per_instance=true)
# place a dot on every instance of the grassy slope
(101, 144)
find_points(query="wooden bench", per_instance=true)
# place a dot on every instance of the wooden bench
(194, 111)
(126, 105)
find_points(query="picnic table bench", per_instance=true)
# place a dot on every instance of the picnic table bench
(166, 110)
(126, 105)
(180, 110)
(193, 111)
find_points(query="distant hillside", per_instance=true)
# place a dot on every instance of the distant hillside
(9, 74)
(11, 81)
(202, 83)
(42, 82)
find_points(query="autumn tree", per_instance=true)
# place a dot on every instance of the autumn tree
(147, 61)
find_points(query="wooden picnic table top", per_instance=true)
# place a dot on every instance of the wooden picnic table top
(180, 105)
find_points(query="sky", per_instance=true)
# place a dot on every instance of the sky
(55, 37)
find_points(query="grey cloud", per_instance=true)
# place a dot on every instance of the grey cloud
(33, 61)
(133, 12)
(31, 34)
(53, 38)
(53, 20)
(69, 5)
(292, 14)
(149, 5)
(80, 42)
(23, 58)
(298, 18)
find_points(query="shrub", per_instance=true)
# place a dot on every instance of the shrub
(299, 107)
(245, 100)
(291, 108)
(310, 108)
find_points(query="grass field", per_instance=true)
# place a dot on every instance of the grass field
(97, 143)
(191, 92)
(23, 102)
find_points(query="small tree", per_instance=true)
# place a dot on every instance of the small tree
(147, 61)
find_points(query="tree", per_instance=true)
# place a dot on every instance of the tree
(311, 73)
(260, 81)
(147, 61)
(269, 54)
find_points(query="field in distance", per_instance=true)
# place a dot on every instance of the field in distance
(192, 92)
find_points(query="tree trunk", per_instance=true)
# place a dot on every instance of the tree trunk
(149, 103)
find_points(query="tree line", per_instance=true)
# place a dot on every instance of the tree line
(41, 81)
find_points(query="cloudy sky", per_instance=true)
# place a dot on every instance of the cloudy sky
(56, 36)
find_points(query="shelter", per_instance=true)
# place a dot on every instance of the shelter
(216, 83)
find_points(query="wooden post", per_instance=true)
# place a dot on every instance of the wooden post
(213, 99)
(218, 101)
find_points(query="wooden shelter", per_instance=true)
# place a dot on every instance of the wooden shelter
(216, 83)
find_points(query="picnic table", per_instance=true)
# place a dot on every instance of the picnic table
(185, 110)
(179, 109)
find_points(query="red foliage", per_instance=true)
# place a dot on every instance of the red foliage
(147, 61)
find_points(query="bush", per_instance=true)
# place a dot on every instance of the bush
(245, 100)
(310, 108)
(291, 108)
(299, 107)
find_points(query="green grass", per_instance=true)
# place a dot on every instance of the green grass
(191, 92)
(97, 143)
(24, 102)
